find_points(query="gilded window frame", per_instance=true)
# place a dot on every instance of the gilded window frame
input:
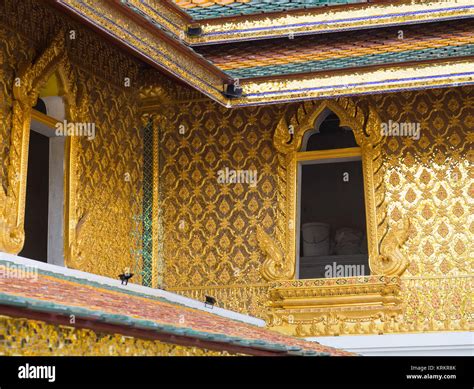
(280, 247)
(30, 80)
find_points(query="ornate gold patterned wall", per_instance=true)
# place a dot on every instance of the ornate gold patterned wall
(14, 50)
(426, 182)
(209, 227)
(436, 303)
(429, 181)
(104, 188)
(23, 337)
(109, 182)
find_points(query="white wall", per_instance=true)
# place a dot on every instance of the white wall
(427, 344)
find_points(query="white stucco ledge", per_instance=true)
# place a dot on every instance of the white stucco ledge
(146, 291)
(422, 344)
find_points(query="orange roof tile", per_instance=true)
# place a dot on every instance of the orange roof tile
(51, 292)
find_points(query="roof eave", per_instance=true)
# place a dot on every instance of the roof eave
(302, 22)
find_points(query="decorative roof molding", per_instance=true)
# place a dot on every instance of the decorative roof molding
(282, 57)
(301, 22)
(174, 57)
(357, 82)
(154, 46)
(162, 14)
(165, 15)
(356, 17)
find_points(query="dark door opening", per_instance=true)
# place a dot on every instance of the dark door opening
(333, 240)
(37, 192)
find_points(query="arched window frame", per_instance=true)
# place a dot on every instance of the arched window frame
(33, 78)
(279, 245)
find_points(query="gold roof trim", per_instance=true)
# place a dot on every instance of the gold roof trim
(356, 82)
(302, 22)
(175, 58)
(325, 20)
(157, 49)
(166, 15)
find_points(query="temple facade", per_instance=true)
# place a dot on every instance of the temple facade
(306, 164)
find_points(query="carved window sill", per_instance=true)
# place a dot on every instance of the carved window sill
(334, 306)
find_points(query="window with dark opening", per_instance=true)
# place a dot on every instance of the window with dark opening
(330, 136)
(37, 190)
(332, 228)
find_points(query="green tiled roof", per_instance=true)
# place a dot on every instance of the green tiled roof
(358, 61)
(260, 6)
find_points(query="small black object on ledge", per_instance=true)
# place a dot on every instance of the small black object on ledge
(194, 30)
(210, 302)
(125, 277)
(232, 91)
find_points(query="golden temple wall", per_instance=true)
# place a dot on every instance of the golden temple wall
(210, 229)
(209, 241)
(429, 181)
(25, 337)
(105, 174)
(207, 229)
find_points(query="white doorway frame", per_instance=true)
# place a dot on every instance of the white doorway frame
(45, 125)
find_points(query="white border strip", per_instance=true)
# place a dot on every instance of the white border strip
(145, 291)
(423, 344)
